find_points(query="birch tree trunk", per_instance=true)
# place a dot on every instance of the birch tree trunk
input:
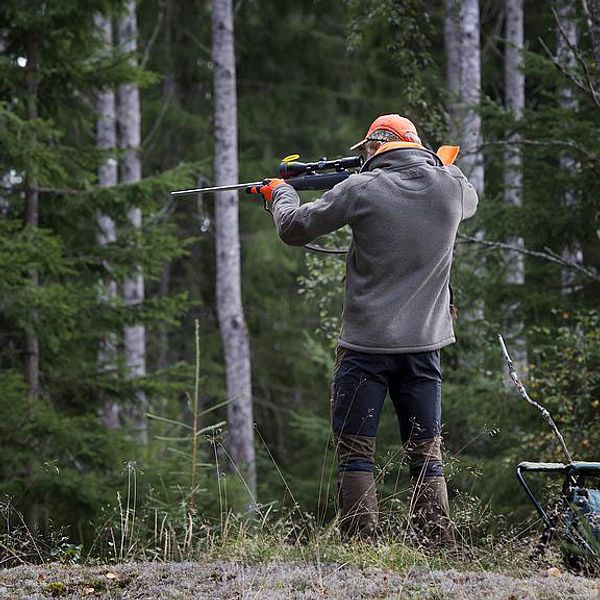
(131, 171)
(234, 332)
(32, 345)
(470, 94)
(514, 94)
(567, 100)
(5, 182)
(471, 156)
(452, 47)
(106, 139)
(5, 178)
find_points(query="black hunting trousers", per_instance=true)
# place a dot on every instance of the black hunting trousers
(360, 384)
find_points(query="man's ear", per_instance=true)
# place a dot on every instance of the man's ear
(372, 147)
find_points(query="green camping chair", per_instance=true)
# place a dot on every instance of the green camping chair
(575, 515)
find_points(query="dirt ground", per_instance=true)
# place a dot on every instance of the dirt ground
(278, 580)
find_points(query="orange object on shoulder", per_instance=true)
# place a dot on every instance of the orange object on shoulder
(448, 154)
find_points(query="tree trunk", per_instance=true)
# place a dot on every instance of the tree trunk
(106, 139)
(234, 332)
(5, 181)
(32, 346)
(5, 178)
(470, 93)
(567, 100)
(471, 156)
(452, 48)
(514, 94)
(131, 171)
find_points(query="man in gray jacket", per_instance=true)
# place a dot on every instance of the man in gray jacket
(403, 208)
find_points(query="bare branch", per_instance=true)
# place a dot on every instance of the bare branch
(574, 80)
(547, 255)
(590, 84)
(561, 143)
(157, 123)
(159, 21)
(591, 12)
(547, 416)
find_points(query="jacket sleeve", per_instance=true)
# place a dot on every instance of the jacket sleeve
(300, 224)
(469, 198)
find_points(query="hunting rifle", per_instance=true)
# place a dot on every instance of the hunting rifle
(322, 174)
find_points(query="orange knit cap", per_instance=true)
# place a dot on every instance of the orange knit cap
(402, 127)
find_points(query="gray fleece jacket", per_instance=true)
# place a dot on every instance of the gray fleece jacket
(404, 208)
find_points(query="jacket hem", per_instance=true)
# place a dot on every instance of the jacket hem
(398, 349)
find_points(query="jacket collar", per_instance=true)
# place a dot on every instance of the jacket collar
(446, 155)
(401, 154)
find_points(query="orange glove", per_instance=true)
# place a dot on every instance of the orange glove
(269, 185)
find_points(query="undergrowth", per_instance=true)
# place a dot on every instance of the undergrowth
(142, 527)
(139, 533)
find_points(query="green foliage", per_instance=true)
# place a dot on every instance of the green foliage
(60, 462)
(398, 40)
(565, 378)
(311, 84)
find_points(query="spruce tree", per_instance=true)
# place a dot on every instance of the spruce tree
(59, 460)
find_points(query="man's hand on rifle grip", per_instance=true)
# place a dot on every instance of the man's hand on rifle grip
(266, 190)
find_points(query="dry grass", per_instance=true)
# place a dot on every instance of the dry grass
(279, 579)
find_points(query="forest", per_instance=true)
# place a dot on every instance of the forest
(166, 361)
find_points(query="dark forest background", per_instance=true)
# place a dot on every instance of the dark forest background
(311, 76)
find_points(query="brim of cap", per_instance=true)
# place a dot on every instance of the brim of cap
(359, 144)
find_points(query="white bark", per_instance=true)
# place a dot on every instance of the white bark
(5, 182)
(567, 100)
(452, 48)
(131, 171)
(470, 93)
(234, 332)
(106, 139)
(5, 179)
(471, 152)
(514, 94)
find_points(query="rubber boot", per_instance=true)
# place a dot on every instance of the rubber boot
(430, 507)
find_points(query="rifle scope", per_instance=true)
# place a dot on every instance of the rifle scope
(293, 169)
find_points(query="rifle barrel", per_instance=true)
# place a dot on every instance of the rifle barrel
(218, 188)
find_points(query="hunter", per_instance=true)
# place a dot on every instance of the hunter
(404, 209)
